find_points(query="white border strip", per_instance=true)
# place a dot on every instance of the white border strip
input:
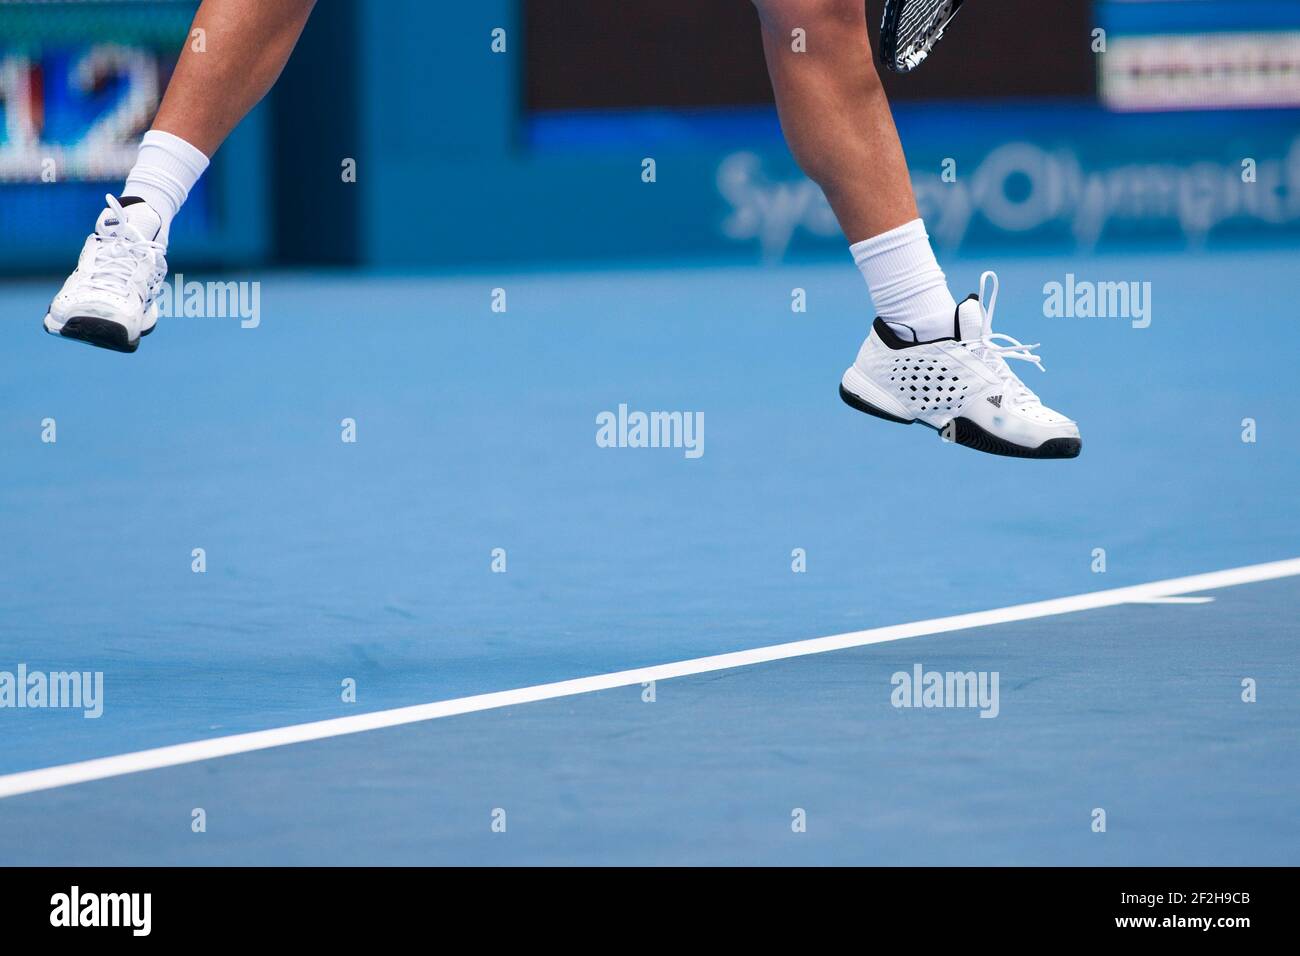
(66, 775)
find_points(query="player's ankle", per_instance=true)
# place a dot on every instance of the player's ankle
(906, 283)
(165, 171)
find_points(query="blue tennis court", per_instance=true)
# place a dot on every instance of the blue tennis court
(370, 563)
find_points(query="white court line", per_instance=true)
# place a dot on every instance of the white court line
(1173, 600)
(30, 781)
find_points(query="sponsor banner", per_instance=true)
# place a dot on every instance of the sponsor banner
(1200, 71)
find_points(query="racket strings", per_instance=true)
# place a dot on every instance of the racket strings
(920, 25)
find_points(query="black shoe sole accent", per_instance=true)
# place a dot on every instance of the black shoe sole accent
(98, 332)
(966, 432)
(854, 402)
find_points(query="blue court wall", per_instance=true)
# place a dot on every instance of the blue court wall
(446, 146)
(454, 173)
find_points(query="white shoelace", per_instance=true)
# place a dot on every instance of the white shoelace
(995, 355)
(118, 255)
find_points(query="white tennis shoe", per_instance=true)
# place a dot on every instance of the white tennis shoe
(960, 385)
(110, 300)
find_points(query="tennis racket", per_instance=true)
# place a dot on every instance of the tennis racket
(910, 28)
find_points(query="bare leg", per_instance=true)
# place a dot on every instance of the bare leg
(834, 112)
(247, 43)
(837, 121)
(239, 50)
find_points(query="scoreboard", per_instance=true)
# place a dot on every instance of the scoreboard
(80, 81)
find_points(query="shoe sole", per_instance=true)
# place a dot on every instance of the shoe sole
(101, 333)
(966, 432)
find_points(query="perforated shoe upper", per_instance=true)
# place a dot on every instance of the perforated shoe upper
(964, 375)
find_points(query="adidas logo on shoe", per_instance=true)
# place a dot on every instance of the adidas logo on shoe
(995, 401)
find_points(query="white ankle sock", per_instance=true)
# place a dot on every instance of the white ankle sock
(165, 171)
(906, 283)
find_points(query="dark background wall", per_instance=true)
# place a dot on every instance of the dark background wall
(316, 122)
(598, 53)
